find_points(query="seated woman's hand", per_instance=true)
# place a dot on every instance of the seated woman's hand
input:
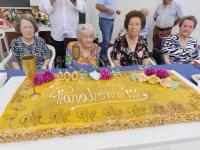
(146, 61)
(117, 62)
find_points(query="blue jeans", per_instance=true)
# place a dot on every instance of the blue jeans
(106, 27)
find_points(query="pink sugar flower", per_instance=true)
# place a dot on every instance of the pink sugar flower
(48, 76)
(149, 71)
(162, 73)
(105, 74)
(38, 79)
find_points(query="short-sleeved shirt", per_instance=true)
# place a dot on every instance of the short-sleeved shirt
(38, 49)
(91, 60)
(109, 4)
(166, 15)
(178, 54)
(128, 57)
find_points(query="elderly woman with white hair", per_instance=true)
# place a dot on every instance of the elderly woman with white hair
(83, 52)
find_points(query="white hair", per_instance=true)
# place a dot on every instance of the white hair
(84, 27)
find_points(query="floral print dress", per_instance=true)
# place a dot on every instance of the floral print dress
(128, 57)
(90, 60)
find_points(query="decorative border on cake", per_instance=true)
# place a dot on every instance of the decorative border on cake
(110, 125)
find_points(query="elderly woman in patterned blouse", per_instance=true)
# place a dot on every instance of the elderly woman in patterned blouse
(181, 48)
(28, 43)
(131, 49)
(88, 52)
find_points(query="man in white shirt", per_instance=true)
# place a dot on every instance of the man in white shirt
(166, 16)
(64, 18)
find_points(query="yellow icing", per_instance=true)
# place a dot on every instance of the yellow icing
(89, 103)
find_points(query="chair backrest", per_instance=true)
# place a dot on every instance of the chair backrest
(5, 61)
(50, 66)
(109, 58)
(51, 63)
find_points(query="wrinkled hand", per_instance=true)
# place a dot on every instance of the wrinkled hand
(117, 63)
(145, 61)
(111, 11)
(118, 12)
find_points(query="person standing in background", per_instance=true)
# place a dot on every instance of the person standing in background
(145, 31)
(64, 18)
(166, 16)
(107, 12)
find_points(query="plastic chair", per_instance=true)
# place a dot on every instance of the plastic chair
(2, 35)
(50, 66)
(109, 58)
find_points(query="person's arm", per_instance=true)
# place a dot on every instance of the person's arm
(47, 6)
(179, 14)
(80, 5)
(45, 53)
(105, 9)
(176, 21)
(15, 66)
(46, 63)
(15, 55)
(155, 15)
(166, 59)
(115, 55)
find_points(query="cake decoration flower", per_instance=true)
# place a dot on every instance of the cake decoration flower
(134, 77)
(153, 79)
(38, 79)
(95, 75)
(150, 71)
(142, 77)
(162, 73)
(44, 77)
(48, 76)
(153, 76)
(105, 74)
(166, 82)
(174, 85)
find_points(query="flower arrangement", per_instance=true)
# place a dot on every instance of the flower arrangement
(40, 17)
(153, 76)
(7, 17)
(44, 77)
(104, 74)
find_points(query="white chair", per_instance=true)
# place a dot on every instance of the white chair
(51, 63)
(109, 58)
(2, 35)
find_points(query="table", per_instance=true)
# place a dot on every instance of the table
(185, 70)
(168, 137)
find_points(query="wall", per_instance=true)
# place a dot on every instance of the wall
(190, 7)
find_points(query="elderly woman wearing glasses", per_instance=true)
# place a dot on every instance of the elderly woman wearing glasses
(83, 52)
(131, 48)
(28, 43)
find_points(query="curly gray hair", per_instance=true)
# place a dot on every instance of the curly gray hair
(29, 18)
(84, 27)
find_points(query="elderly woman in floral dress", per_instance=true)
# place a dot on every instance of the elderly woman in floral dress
(131, 48)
